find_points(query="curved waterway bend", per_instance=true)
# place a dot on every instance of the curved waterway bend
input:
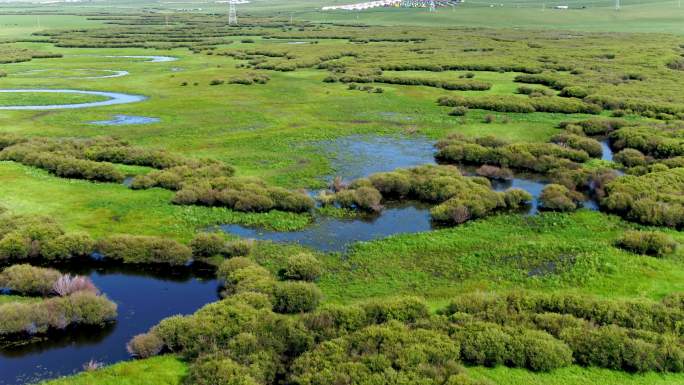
(144, 297)
(115, 98)
(112, 74)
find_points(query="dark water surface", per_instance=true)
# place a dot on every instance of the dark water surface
(144, 298)
(359, 156)
(335, 235)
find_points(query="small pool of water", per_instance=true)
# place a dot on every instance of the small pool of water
(148, 58)
(114, 99)
(121, 120)
(336, 235)
(359, 156)
(144, 297)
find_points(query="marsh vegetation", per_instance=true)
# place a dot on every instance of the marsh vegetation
(398, 204)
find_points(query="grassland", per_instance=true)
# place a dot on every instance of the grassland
(166, 370)
(276, 131)
(44, 99)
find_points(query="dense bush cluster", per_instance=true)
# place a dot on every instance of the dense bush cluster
(249, 79)
(64, 166)
(94, 159)
(23, 237)
(197, 181)
(653, 199)
(458, 198)
(208, 245)
(659, 142)
(81, 308)
(559, 198)
(242, 194)
(538, 157)
(542, 79)
(458, 67)
(513, 103)
(240, 275)
(647, 242)
(378, 354)
(29, 280)
(594, 126)
(174, 178)
(634, 336)
(579, 142)
(452, 85)
(144, 249)
(302, 267)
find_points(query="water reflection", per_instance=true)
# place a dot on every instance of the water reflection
(145, 295)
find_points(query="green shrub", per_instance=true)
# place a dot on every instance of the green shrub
(296, 297)
(81, 308)
(144, 249)
(541, 352)
(404, 309)
(654, 198)
(303, 266)
(230, 266)
(218, 371)
(588, 145)
(68, 246)
(483, 344)
(29, 280)
(459, 111)
(517, 198)
(205, 245)
(574, 92)
(647, 242)
(371, 354)
(630, 158)
(145, 345)
(558, 198)
(332, 321)
(14, 246)
(597, 126)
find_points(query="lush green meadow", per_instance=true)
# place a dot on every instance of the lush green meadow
(267, 98)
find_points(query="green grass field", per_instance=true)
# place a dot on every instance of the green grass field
(277, 131)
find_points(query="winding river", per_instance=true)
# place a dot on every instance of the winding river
(115, 98)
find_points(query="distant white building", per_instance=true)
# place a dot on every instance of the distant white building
(366, 5)
(561, 7)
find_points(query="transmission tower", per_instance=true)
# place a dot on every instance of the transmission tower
(232, 14)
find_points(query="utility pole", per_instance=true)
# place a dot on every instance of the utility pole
(232, 14)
